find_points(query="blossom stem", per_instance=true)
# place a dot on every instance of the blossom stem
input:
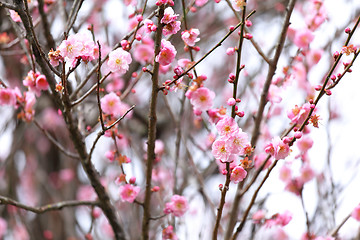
(222, 202)
(152, 129)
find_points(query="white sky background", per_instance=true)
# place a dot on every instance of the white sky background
(345, 134)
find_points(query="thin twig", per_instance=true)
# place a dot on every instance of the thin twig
(48, 207)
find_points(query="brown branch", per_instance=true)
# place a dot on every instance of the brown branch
(222, 201)
(336, 230)
(9, 6)
(152, 128)
(48, 207)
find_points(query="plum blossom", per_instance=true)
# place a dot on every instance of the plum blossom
(167, 53)
(279, 219)
(178, 206)
(143, 53)
(14, 16)
(238, 174)
(238, 4)
(171, 28)
(303, 38)
(226, 126)
(35, 82)
(202, 99)
(221, 151)
(78, 46)
(169, 16)
(356, 213)
(299, 114)
(277, 148)
(168, 233)
(149, 26)
(190, 37)
(7, 97)
(237, 142)
(129, 192)
(119, 61)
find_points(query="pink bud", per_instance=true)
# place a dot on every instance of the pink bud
(248, 23)
(347, 30)
(328, 92)
(318, 87)
(132, 180)
(333, 77)
(248, 36)
(139, 18)
(231, 102)
(298, 135)
(240, 114)
(336, 55)
(312, 106)
(231, 28)
(155, 189)
(287, 140)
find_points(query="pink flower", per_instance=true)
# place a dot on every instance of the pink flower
(169, 16)
(356, 213)
(306, 173)
(202, 99)
(237, 142)
(143, 53)
(190, 37)
(110, 104)
(7, 97)
(149, 26)
(167, 53)
(303, 38)
(238, 4)
(119, 61)
(70, 48)
(178, 206)
(298, 115)
(41, 82)
(168, 233)
(129, 192)
(238, 174)
(285, 173)
(220, 150)
(171, 28)
(35, 82)
(227, 126)
(14, 16)
(313, 57)
(277, 148)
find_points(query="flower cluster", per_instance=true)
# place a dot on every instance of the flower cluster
(167, 53)
(35, 82)
(168, 233)
(278, 148)
(77, 46)
(171, 25)
(298, 114)
(232, 142)
(178, 206)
